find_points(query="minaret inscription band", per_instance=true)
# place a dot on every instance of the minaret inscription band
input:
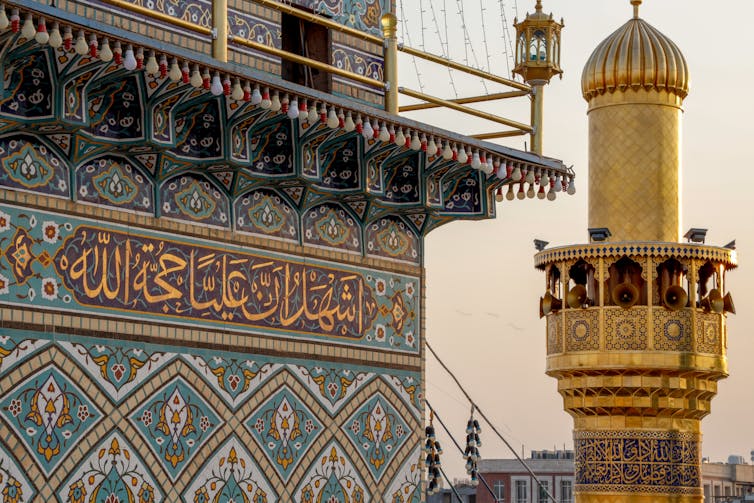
(637, 461)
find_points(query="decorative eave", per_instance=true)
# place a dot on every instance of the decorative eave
(178, 84)
(725, 256)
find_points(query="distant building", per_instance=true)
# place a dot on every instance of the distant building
(510, 482)
(463, 488)
(727, 482)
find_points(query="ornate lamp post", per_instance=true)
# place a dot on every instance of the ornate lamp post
(537, 61)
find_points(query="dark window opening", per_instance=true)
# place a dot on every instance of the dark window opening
(311, 41)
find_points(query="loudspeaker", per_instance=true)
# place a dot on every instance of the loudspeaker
(548, 304)
(713, 301)
(728, 305)
(577, 297)
(625, 295)
(675, 298)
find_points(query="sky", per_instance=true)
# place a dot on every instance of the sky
(482, 288)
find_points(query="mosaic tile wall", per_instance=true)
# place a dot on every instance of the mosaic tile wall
(86, 418)
(83, 419)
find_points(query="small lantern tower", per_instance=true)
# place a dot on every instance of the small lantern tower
(537, 61)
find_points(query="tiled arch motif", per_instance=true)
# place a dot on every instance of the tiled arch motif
(269, 213)
(331, 225)
(144, 184)
(196, 199)
(194, 386)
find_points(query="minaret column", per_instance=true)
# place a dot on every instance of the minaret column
(634, 164)
(637, 342)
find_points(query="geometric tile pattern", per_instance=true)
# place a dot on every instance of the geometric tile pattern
(230, 474)
(302, 430)
(285, 428)
(626, 330)
(377, 432)
(632, 209)
(554, 334)
(332, 478)
(175, 422)
(672, 330)
(708, 334)
(50, 414)
(112, 472)
(582, 333)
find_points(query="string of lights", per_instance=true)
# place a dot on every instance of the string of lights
(508, 53)
(467, 45)
(443, 44)
(406, 35)
(482, 9)
(541, 486)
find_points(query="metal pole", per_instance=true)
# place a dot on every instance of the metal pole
(466, 110)
(537, 115)
(220, 30)
(463, 101)
(463, 68)
(390, 33)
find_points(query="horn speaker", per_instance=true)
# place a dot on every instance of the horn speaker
(714, 301)
(625, 295)
(548, 304)
(577, 297)
(728, 305)
(675, 298)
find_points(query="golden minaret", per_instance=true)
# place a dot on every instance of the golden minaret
(636, 319)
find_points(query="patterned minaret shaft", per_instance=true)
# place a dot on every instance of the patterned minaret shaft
(636, 333)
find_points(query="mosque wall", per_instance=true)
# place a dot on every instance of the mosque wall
(233, 347)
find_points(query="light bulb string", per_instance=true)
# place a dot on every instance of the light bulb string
(433, 413)
(508, 53)
(486, 420)
(468, 46)
(443, 44)
(406, 35)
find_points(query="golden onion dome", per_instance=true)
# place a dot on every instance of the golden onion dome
(635, 56)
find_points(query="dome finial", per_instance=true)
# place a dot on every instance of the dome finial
(636, 4)
(538, 7)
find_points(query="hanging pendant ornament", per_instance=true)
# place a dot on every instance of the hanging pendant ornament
(56, 39)
(42, 37)
(93, 46)
(237, 93)
(4, 21)
(175, 74)
(81, 47)
(106, 54)
(196, 79)
(15, 21)
(473, 443)
(433, 450)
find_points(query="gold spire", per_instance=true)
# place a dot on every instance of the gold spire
(636, 4)
(635, 56)
(538, 7)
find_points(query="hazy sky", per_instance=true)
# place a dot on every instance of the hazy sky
(482, 288)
